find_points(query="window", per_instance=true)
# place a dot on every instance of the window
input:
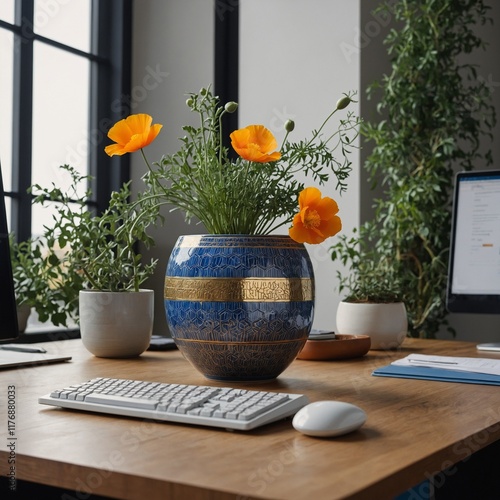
(65, 80)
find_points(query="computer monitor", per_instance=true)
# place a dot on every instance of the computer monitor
(8, 311)
(474, 267)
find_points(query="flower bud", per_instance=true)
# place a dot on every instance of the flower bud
(189, 102)
(231, 107)
(289, 125)
(203, 91)
(343, 102)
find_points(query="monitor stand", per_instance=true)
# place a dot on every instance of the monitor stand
(494, 346)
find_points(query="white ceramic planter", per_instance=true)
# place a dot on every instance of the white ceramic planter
(116, 324)
(386, 324)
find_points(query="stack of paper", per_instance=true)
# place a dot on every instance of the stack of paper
(444, 368)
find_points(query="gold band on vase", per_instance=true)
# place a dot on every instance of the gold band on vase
(239, 289)
(217, 241)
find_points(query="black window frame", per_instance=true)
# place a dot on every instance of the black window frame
(226, 61)
(110, 59)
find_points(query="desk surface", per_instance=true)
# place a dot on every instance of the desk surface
(414, 430)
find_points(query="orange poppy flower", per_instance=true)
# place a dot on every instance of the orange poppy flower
(131, 134)
(255, 143)
(317, 219)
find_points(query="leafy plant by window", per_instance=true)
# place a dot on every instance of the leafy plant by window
(99, 249)
(41, 283)
(435, 111)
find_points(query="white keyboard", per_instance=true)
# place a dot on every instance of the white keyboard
(225, 407)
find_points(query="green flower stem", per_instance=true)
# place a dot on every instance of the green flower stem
(152, 172)
(317, 133)
(202, 150)
(146, 160)
(220, 138)
(167, 193)
(284, 140)
(341, 132)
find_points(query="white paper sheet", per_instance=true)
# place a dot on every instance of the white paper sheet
(475, 365)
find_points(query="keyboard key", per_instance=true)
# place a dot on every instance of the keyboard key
(109, 399)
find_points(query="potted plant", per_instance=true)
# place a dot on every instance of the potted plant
(373, 303)
(239, 301)
(40, 284)
(115, 314)
(435, 110)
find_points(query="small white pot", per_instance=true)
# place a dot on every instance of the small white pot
(386, 324)
(116, 324)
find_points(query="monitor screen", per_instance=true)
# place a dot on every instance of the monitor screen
(8, 310)
(474, 270)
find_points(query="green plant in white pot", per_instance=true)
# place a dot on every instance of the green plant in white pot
(116, 314)
(436, 117)
(373, 303)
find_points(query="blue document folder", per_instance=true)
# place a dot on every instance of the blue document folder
(439, 374)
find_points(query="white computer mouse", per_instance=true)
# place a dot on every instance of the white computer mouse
(328, 418)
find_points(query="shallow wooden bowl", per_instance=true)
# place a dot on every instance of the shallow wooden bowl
(342, 347)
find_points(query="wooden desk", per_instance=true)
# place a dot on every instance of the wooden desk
(414, 430)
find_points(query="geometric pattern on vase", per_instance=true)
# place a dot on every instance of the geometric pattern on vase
(239, 307)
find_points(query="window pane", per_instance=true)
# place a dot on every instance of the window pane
(7, 11)
(65, 22)
(6, 89)
(42, 216)
(60, 114)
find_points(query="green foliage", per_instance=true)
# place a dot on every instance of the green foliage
(435, 111)
(371, 277)
(244, 197)
(98, 251)
(42, 284)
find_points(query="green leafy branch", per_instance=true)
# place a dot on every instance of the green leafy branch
(99, 250)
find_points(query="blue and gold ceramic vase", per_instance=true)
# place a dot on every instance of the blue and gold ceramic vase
(239, 307)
